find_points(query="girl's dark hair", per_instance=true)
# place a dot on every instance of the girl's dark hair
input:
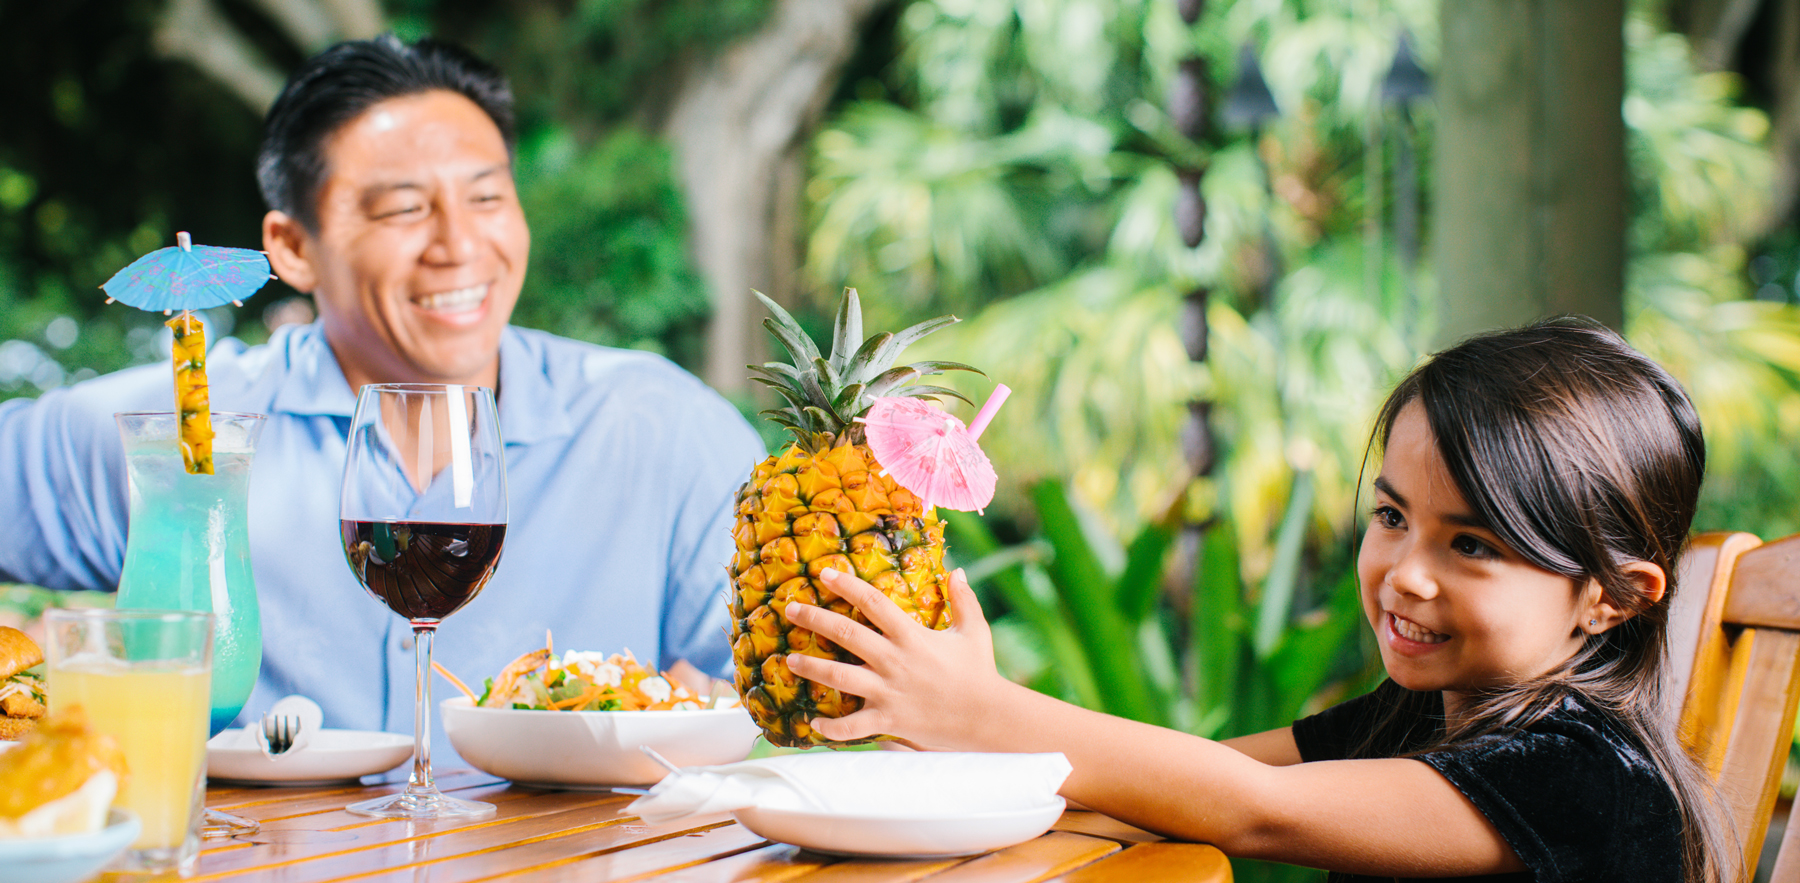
(337, 85)
(1583, 455)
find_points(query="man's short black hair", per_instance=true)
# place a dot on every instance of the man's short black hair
(337, 85)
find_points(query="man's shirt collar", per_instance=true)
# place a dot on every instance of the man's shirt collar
(314, 385)
(530, 409)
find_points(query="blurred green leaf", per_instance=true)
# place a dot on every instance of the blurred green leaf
(1024, 587)
(1085, 587)
(1219, 624)
(609, 261)
(1141, 579)
(1308, 652)
(1277, 601)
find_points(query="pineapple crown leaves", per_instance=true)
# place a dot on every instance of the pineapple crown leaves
(826, 393)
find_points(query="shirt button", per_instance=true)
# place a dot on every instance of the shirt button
(406, 643)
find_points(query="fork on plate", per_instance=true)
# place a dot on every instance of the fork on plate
(279, 731)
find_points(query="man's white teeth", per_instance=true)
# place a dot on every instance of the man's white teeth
(454, 301)
(1412, 631)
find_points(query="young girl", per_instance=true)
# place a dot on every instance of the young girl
(1535, 491)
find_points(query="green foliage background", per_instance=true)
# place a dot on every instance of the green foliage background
(1010, 161)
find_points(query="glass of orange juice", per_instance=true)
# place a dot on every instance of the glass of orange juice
(143, 677)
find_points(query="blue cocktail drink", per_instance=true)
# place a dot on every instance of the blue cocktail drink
(188, 544)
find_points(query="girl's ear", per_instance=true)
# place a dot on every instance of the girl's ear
(1601, 614)
(287, 244)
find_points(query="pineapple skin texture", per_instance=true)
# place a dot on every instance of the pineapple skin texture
(798, 514)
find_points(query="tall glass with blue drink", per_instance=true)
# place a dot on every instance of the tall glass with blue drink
(188, 548)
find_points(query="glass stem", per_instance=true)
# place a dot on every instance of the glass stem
(421, 783)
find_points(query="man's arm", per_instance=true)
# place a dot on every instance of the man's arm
(717, 452)
(62, 491)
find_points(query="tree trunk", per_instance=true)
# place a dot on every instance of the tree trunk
(198, 32)
(739, 126)
(1530, 211)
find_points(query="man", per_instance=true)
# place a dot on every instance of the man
(388, 173)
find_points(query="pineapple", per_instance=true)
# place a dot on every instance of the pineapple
(826, 502)
(193, 410)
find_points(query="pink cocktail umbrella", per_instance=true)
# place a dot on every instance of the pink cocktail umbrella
(931, 453)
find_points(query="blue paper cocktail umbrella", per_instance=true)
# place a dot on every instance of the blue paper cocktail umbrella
(186, 276)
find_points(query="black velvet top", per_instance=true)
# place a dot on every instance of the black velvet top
(1577, 797)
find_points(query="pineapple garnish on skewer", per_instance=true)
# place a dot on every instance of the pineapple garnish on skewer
(193, 407)
(827, 502)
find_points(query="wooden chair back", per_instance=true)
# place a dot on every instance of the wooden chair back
(1738, 609)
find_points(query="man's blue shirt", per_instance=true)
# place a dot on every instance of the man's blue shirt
(620, 466)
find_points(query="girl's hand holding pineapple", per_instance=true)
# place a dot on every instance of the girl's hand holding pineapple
(925, 686)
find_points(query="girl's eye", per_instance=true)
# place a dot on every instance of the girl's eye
(1388, 517)
(1472, 547)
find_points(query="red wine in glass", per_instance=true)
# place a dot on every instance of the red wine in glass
(422, 570)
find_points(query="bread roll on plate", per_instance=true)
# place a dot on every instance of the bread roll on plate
(60, 780)
(21, 695)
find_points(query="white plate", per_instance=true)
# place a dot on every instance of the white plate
(70, 857)
(891, 837)
(592, 749)
(331, 756)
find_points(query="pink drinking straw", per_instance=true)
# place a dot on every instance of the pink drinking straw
(988, 409)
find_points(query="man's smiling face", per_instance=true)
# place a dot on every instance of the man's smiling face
(421, 245)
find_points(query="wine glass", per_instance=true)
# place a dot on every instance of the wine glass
(423, 520)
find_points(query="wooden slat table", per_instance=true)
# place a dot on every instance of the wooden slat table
(307, 837)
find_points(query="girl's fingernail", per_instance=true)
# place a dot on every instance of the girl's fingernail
(828, 573)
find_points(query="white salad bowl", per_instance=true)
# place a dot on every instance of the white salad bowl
(580, 750)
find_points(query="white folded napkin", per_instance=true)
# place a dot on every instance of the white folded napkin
(899, 784)
(311, 718)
